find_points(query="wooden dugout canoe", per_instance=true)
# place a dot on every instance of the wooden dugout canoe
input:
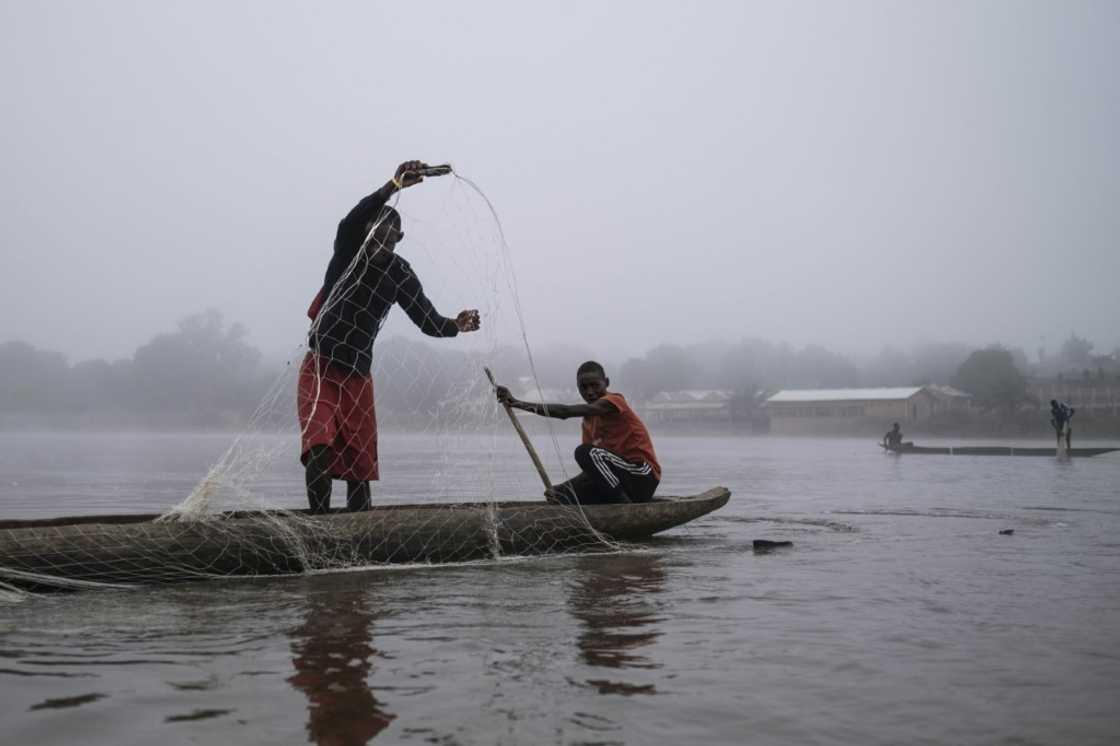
(997, 451)
(139, 549)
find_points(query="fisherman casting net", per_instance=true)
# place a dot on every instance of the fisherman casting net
(437, 443)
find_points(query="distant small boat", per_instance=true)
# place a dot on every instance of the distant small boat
(61, 552)
(996, 451)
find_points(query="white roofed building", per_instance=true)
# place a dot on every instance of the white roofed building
(949, 397)
(823, 411)
(693, 405)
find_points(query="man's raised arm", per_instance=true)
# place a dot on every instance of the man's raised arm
(352, 228)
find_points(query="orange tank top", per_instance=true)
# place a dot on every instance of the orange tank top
(622, 432)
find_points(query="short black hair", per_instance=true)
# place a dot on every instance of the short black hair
(388, 215)
(591, 367)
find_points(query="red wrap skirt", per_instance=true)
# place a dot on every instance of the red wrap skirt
(336, 409)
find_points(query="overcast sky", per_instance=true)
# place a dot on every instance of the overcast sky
(843, 173)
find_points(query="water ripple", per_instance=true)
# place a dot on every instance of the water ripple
(64, 702)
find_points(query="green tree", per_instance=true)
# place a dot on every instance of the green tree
(1076, 352)
(993, 380)
(891, 367)
(202, 373)
(31, 380)
(664, 368)
(937, 362)
(820, 368)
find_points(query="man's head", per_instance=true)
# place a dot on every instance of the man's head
(1053, 403)
(386, 230)
(592, 381)
(896, 426)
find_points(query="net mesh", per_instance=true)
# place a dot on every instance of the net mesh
(450, 502)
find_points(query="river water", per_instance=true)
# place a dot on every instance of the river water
(899, 615)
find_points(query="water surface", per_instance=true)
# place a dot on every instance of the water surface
(900, 614)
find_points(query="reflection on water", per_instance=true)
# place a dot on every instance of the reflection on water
(333, 656)
(612, 597)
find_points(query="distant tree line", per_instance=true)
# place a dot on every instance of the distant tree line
(205, 374)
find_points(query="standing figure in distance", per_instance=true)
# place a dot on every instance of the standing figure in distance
(1061, 418)
(364, 279)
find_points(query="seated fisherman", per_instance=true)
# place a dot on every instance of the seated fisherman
(893, 439)
(616, 457)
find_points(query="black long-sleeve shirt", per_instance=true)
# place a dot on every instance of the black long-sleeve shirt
(347, 328)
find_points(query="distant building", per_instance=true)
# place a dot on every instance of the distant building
(949, 398)
(695, 405)
(806, 411)
(1088, 396)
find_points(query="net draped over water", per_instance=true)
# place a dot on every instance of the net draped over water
(237, 521)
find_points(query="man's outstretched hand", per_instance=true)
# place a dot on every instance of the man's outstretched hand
(408, 173)
(503, 394)
(468, 321)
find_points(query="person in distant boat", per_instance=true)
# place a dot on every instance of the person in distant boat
(1061, 417)
(364, 278)
(892, 441)
(616, 458)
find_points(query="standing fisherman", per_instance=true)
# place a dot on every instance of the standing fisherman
(1061, 417)
(335, 396)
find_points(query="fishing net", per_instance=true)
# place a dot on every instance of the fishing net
(457, 485)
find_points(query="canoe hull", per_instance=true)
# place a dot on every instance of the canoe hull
(136, 549)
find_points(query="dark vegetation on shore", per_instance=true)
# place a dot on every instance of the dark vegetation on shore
(204, 374)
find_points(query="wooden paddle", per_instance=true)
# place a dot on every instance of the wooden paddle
(524, 438)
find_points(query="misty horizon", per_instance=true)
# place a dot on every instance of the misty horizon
(577, 353)
(853, 176)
